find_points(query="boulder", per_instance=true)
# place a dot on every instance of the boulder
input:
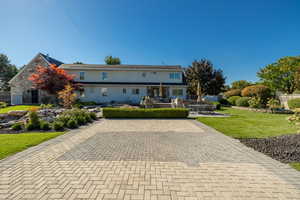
(17, 113)
(7, 124)
(3, 116)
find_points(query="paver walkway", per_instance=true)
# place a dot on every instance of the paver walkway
(145, 159)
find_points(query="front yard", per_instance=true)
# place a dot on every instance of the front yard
(13, 143)
(248, 124)
(13, 108)
(243, 125)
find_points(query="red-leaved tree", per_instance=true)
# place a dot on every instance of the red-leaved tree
(51, 79)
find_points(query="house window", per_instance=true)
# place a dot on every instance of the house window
(124, 91)
(136, 91)
(104, 75)
(81, 92)
(104, 92)
(91, 90)
(174, 75)
(81, 75)
(144, 74)
(154, 73)
(177, 92)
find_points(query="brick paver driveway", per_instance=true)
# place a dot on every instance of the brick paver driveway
(145, 159)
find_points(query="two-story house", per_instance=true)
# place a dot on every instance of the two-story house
(104, 83)
(127, 83)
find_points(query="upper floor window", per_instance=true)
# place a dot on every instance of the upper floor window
(81, 75)
(136, 91)
(144, 74)
(174, 75)
(124, 91)
(104, 75)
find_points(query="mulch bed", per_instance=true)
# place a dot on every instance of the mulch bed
(282, 148)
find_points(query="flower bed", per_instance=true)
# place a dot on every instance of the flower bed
(145, 113)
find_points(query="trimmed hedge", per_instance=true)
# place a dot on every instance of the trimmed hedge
(145, 113)
(294, 103)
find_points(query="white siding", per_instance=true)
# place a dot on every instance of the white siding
(127, 76)
(114, 93)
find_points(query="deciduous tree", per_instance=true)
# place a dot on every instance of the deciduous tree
(67, 96)
(281, 75)
(51, 79)
(241, 84)
(211, 80)
(7, 71)
(109, 60)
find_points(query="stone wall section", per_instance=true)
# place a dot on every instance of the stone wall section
(20, 85)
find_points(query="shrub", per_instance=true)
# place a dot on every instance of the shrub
(224, 102)
(232, 92)
(273, 103)
(64, 119)
(34, 121)
(232, 100)
(45, 126)
(17, 126)
(81, 116)
(255, 102)
(294, 103)
(145, 113)
(3, 104)
(259, 91)
(88, 118)
(72, 123)
(217, 104)
(81, 120)
(93, 115)
(30, 126)
(58, 126)
(243, 101)
(46, 106)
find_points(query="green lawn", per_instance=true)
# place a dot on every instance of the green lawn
(296, 166)
(249, 124)
(13, 143)
(22, 107)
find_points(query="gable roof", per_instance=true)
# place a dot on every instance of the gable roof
(51, 60)
(47, 58)
(121, 67)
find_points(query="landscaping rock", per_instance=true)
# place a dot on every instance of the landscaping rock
(17, 113)
(282, 148)
(7, 124)
(3, 116)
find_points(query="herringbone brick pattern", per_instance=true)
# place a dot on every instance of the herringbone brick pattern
(145, 159)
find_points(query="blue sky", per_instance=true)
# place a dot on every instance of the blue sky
(237, 36)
